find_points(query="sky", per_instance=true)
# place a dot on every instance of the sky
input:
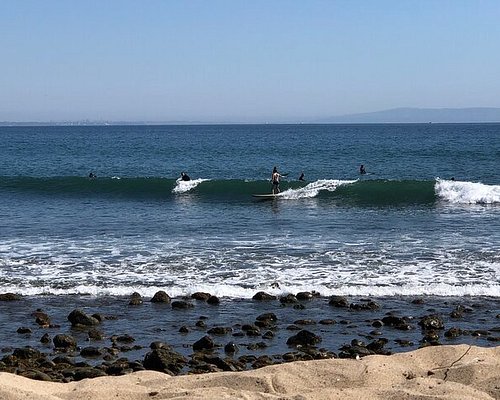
(243, 61)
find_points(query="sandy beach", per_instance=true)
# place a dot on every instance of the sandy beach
(436, 372)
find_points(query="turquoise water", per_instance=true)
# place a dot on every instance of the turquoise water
(405, 228)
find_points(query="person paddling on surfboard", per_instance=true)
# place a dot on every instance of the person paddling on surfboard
(362, 169)
(275, 180)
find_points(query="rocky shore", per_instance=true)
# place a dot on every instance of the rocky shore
(83, 345)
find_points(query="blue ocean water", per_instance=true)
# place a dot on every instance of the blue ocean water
(404, 228)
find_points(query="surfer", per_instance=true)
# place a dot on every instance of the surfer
(275, 180)
(362, 169)
(301, 177)
(185, 177)
(92, 175)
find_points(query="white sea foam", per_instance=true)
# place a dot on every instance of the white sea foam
(104, 266)
(186, 186)
(467, 192)
(314, 188)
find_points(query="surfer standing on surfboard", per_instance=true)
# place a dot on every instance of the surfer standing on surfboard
(275, 180)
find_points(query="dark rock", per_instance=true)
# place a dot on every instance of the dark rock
(263, 296)
(135, 299)
(99, 317)
(430, 322)
(247, 358)
(400, 323)
(231, 347)
(267, 317)
(404, 343)
(205, 343)
(90, 352)
(164, 360)
(493, 338)
(60, 359)
(369, 306)
(377, 323)
(36, 375)
(262, 361)
(304, 296)
(288, 299)
(213, 300)
(41, 319)
(338, 301)
(79, 318)
(251, 330)
(181, 305)
(299, 307)
(293, 328)
(25, 353)
(268, 335)
(431, 337)
(453, 332)
(9, 297)
(23, 330)
(417, 301)
(64, 341)
(87, 373)
(220, 330)
(184, 329)
(161, 297)
(224, 365)
(327, 322)
(377, 345)
(305, 322)
(45, 338)
(159, 345)
(202, 296)
(201, 324)
(122, 339)
(303, 338)
(94, 334)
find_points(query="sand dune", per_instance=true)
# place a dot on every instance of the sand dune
(441, 372)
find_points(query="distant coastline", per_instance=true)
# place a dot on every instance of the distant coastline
(392, 116)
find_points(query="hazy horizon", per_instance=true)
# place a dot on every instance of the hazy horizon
(243, 62)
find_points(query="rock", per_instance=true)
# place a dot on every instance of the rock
(90, 352)
(201, 324)
(263, 296)
(94, 334)
(60, 359)
(231, 347)
(305, 322)
(122, 339)
(417, 301)
(161, 297)
(181, 305)
(164, 360)
(87, 373)
(36, 375)
(23, 330)
(159, 345)
(288, 299)
(262, 361)
(338, 301)
(397, 322)
(377, 345)
(267, 317)
(41, 319)
(45, 338)
(184, 329)
(220, 330)
(9, 297)
(202, 296)
(135, 299)
(430, 322)
(26, 353)
(213, 300)
(205, 343)
(377, 323)
(303, 338)
(224, 365)
(369, 306)
(431, 337)
(64, 342)
(327, 322)
(251, 330)
(268, 335)
(79, 318)
(453, 332)
(304, 296)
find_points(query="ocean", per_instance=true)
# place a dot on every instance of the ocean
(423, 221)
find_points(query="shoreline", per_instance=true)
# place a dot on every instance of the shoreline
(65, 339)
(442, 372)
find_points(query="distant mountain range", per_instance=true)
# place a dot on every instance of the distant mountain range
(421, 115)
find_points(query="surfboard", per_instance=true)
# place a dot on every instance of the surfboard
(265, 196)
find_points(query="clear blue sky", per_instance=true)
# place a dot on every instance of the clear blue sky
(248, 61)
